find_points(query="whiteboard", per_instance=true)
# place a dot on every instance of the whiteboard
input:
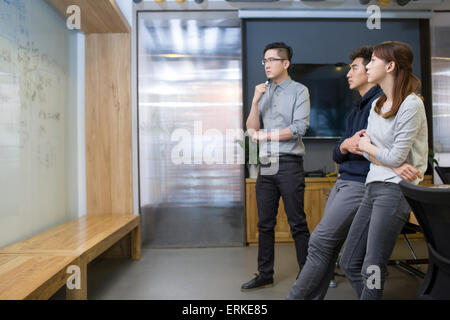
(37, 75)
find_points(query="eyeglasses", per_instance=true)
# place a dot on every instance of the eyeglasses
(264, 61)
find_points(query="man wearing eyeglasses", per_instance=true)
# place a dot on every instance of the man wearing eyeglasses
(282, 108)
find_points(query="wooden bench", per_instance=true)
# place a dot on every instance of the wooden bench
(32, 276)
(76, 242)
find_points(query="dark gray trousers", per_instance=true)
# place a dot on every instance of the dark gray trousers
(327, 239)
(380, 218)
(289, 183)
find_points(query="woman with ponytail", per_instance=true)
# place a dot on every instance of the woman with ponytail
(396, 133)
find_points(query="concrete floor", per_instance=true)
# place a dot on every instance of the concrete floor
(217, 274)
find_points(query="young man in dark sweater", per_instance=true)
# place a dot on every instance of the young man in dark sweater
(346, 195)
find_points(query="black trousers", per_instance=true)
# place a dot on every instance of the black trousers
(289, 183)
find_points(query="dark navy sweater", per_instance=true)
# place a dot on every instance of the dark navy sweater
(352, 166)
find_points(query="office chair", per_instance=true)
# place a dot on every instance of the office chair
(444, 174)
(432, 210)
(410, 228)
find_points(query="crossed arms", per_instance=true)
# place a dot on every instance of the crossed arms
(357, 144)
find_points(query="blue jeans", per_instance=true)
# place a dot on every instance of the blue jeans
(372, 237)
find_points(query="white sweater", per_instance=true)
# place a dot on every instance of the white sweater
(403, 138)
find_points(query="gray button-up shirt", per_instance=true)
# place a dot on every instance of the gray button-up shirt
(284, 106)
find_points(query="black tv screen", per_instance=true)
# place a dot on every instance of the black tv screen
(331, 98)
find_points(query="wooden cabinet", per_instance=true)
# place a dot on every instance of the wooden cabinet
(316, 195)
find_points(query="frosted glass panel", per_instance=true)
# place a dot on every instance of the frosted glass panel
(440, 51)
(190, 92)
(36, 97)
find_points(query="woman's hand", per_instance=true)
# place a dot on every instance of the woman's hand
(364, 142)
(407, 172)
(351, 144)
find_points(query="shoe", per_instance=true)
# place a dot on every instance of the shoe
(332, 284)
(257, 283)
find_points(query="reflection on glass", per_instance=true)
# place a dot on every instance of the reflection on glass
(189, 84)
(440, 63)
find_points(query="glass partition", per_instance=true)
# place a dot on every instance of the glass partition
(189, 98)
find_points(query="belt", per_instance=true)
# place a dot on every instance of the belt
(290, 158)
(280, 159)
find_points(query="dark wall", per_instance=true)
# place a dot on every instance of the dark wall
(318, 41)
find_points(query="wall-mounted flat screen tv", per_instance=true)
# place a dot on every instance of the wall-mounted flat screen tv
(331, 98)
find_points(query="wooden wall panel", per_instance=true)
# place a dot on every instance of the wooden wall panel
(108, 124)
